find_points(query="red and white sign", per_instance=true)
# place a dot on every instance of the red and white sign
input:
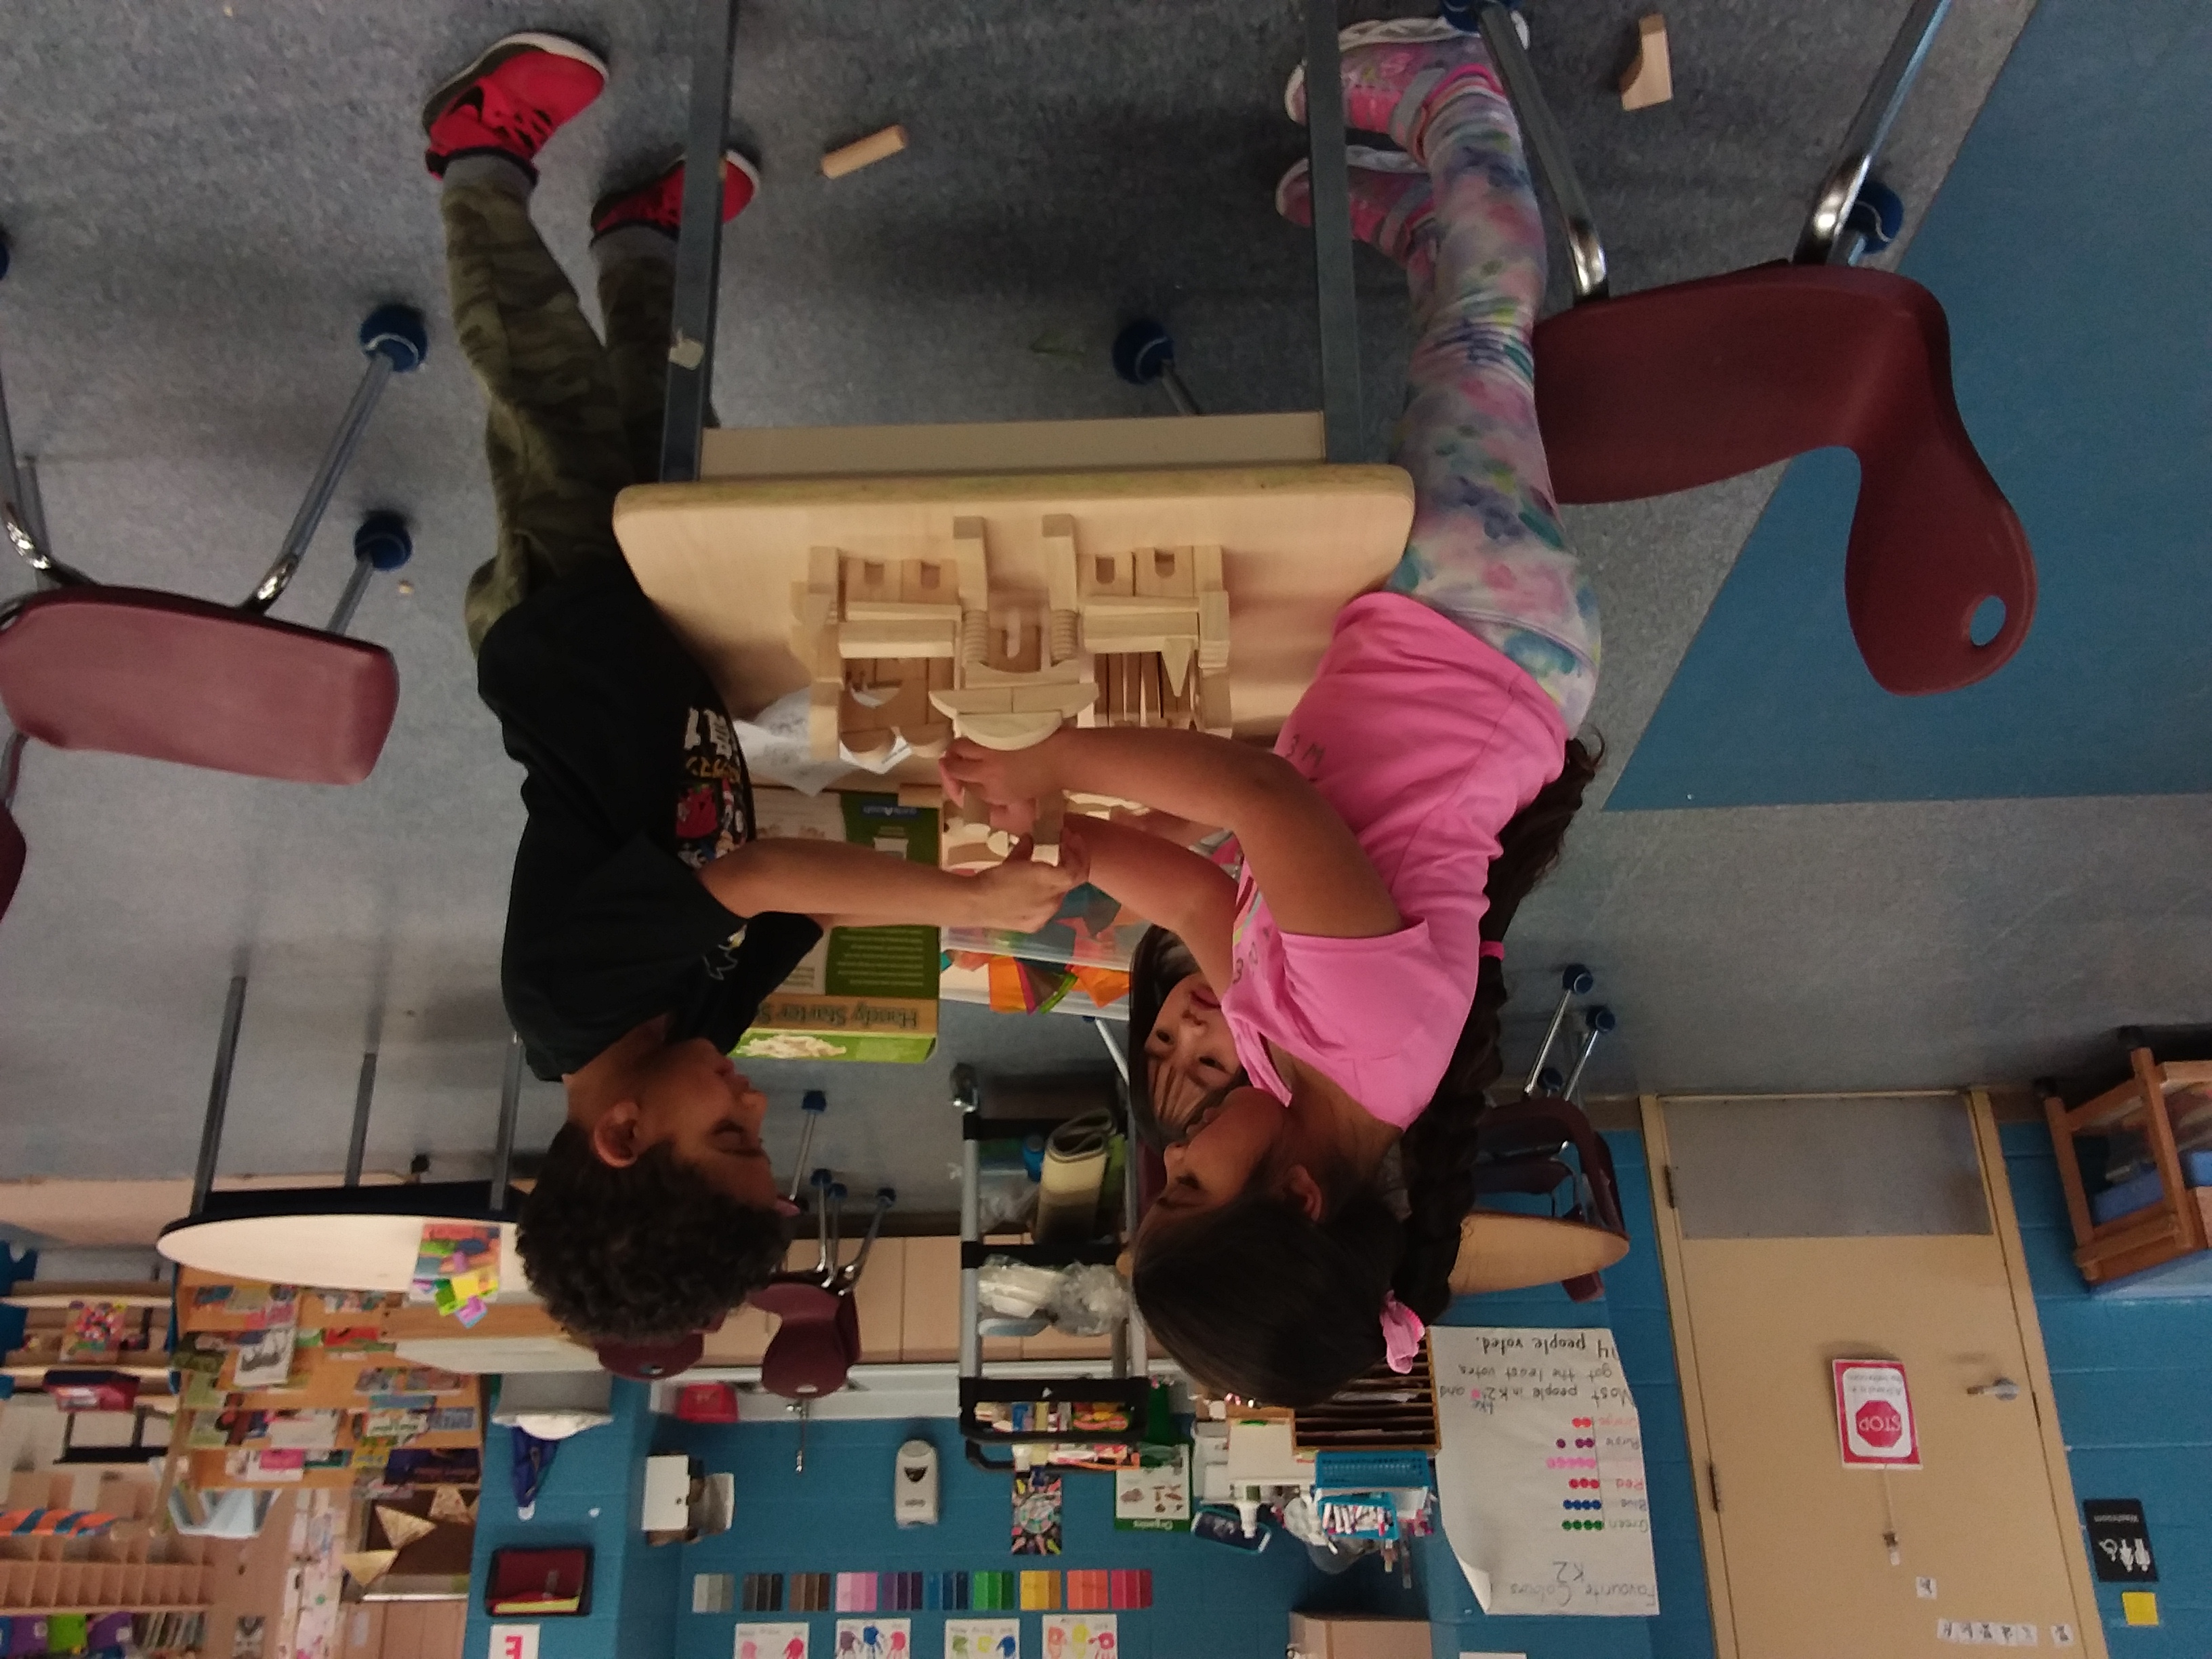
(1874, 1415)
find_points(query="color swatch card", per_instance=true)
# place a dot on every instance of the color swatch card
(875, 1638)
(1540, 1476)
(1080, 1636)
(772, 1641)
(982, 1639)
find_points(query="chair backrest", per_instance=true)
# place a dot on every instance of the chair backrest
(1684, 385)
(131, 672)
(818, 1342)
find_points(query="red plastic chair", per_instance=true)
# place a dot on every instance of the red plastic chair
(1687, 385)
(818, 1342)
(129, 672)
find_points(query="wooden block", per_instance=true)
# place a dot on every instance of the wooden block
(907, 636)
(1177, 652)
(1102, 576)
(1164, 572)
(1650, 79)
(930, 739)
(1051, 814)
(864, 152)
(867, 581)
(930, 581)
(1063, 594)
(1213, 705)
(1179, 701)
(1213, 608)
(1011, 730)
(824, 700)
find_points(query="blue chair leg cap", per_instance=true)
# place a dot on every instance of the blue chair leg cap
(1878, 215)
(1142, 350)
(397, 334)
(382, 539)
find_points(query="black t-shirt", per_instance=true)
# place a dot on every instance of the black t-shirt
(634, 779)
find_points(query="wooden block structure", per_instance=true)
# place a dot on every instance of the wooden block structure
(921, 649)
(1650, 79)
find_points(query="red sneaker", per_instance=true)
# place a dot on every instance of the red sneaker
(660, 204)
(512, 100)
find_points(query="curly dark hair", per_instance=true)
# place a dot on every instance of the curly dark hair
(1253, 1297)
(645, 1254)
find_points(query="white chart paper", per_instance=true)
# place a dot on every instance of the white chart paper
(1540, 1476)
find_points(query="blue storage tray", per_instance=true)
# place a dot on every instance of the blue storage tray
(2140, 1192)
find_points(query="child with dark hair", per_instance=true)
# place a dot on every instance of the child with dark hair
(646, 923)
(1323, 1056)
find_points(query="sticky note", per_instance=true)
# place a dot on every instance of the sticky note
(2141, 1606)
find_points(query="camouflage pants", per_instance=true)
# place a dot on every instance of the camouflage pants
(572, 421)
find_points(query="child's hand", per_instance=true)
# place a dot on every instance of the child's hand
(1021, 895)
(1003, 774)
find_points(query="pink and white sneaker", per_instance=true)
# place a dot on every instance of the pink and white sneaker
(1392, 202)
(1396, 70)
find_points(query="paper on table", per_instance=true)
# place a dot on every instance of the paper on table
(1541, 1475)
(776, 748)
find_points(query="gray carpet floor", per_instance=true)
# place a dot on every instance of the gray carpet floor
(204, 200)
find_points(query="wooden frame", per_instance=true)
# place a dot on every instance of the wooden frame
(2180, 1223)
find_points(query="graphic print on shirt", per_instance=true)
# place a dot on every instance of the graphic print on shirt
(713, 812)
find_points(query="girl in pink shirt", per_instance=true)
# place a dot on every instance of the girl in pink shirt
(1327, 1022)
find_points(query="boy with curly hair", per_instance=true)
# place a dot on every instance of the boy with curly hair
(646, 923)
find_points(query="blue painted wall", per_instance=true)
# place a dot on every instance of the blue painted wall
(837, 1517)
(603, 1469)
(2134, 1407)
(1635, 1307)
(2070, 246)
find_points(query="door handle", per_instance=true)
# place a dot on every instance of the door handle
(2003, 1388)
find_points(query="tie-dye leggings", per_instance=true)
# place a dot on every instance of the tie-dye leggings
(1487, 549)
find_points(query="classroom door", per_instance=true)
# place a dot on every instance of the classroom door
(1809, 1232)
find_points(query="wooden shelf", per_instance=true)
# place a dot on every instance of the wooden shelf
(66, 1292)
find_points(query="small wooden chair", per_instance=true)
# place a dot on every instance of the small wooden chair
(2180, 1222)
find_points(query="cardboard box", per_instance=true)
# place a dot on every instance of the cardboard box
(1356, 1636)
(862, 992)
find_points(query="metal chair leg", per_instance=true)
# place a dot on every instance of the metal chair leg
(1828, 238)
(357, 1142)
(699, 242)
(226, 1055)
(1548, 150)
(395, 341)
(380, 542)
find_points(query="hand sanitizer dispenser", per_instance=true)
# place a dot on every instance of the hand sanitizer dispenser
(913, 1487)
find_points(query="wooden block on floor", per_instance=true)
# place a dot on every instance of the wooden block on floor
(1650, 79)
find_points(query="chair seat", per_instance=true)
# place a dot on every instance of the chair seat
(1684, 385)
(131, 672)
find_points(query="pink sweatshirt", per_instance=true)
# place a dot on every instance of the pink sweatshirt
(1426, 742)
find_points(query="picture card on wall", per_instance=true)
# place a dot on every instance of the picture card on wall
(756, 1641)
(874, 1638)
(982, 1639)
(1080, 1636)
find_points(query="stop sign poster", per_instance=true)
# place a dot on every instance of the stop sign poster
(1874, 1415)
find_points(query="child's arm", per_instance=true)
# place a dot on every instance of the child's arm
(1316, 878)
(1184, 893)
(832, 881)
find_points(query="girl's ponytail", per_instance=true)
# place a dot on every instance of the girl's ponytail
(1438, 1151)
